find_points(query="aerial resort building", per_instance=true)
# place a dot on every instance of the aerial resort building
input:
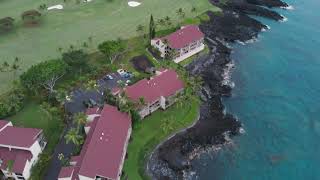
(181, 44)
(157, 92)
(103, 152)
(19, 150)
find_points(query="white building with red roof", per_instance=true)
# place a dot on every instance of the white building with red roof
(103, 152)
(184, 43)
(158, 92)
(19, 149)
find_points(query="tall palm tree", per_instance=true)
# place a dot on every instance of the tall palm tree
(80, 119)
(73, 136)
(166, 125)
(180, 13)
(193, 9)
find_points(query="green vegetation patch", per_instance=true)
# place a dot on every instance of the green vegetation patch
(154, 129)
(80, 24)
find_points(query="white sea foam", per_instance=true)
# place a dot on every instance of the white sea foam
(242, 131)
(288, 7)
(227, 75)
(265, 29)
(284, 19)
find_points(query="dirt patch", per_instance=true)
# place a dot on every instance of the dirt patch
(142, 64)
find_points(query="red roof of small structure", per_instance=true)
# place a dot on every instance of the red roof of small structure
(166, 84)
(184, 36)
(102, 151)
(19, 137)
(18, 158)
(66, 172)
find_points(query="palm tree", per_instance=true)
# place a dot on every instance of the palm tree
(140, 29)
(166, 125)
(80, 119)
(121, 84)
(73, 136)
(4, 67)
(180, 13)
(15, 67)
(193, 9)
(161, 22)
(142, 101)
(168, 20)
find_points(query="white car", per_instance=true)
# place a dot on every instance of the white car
(121, 71)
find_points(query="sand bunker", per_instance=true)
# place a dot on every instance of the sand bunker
(133, 3)
(59, 6)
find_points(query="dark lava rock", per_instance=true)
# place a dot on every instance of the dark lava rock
(174, 157)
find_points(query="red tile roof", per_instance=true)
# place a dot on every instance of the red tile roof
(3, 123)
(184, 36)
(66, 172)
(18, 157)
(166, 84)
(102, 151)
(19, 137)
(91, 111)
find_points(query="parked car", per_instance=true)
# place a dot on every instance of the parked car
(108, 77)
(121, 71)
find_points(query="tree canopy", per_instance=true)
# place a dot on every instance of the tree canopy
(76, 59)
(152, 28)
(112, 49)
(43, 75)
(6, 24)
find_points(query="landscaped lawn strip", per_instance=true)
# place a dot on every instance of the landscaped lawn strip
(148, 134)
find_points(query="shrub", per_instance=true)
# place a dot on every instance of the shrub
(11, 102)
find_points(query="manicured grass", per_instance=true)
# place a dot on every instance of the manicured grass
(101, 20)
(31, 116)
(148, 134)
(190, 59)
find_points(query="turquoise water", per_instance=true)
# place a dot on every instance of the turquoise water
(277, 98)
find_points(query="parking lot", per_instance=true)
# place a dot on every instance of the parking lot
(80, 96)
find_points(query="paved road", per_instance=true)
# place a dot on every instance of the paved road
(74, 106)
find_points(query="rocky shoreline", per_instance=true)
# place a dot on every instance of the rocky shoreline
(172, 159)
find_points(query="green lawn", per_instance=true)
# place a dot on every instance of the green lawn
(148, 134)
(99, 19)
(31, 116)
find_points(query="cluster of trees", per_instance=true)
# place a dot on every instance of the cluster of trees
(112, 49)
(11, 102)
(28, 17)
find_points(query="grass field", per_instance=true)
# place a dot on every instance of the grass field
(99, 19)
(149, 133)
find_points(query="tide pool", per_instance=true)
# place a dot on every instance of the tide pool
(277, 98)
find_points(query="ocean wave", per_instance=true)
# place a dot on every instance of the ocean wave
(287, 7)
(284, 19)
(265, 29)
(226, 75)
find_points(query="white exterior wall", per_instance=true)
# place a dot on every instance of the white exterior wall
(124, 152)
(190, 53)
(161, 47)
(67, 178)
(35, 150)
(91, 117)
(84, 178)
(163, 102)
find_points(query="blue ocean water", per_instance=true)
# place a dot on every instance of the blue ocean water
(277, 98)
